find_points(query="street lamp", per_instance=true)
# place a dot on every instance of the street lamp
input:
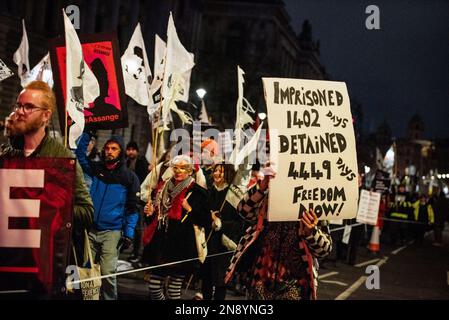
(204, 118)
(201, 93)
(262, 116)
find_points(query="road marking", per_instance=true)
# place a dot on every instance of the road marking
(327, 275)
(14, 291)
(335, 282)
(381, 262)
(345, 294)
(366, 263)
(399, 249)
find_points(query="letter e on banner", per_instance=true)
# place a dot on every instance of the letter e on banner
(20, 208)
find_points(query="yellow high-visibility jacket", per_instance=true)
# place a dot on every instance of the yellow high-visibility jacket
(401, 210)
(430, 214)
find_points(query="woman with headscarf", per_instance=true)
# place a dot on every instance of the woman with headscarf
(180, 205)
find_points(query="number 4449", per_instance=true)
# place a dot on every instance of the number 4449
(308, 170)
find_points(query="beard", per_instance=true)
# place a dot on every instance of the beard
(110, 159)
(21, 127)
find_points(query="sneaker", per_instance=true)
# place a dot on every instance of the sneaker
(124, 266)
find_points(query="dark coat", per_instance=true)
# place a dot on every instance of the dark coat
(232, 227)
(177, 241)
(141, 168)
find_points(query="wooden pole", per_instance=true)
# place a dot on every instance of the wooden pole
(65, 127)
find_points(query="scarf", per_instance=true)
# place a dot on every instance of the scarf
(222, 187)
(170, 204)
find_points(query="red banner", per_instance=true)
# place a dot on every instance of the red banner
(101, 54)
(36, 208)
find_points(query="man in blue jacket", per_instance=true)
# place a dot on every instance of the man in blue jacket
(114, 192)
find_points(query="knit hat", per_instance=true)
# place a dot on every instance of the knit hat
(132, 145)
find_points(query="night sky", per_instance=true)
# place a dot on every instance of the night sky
(394, 72)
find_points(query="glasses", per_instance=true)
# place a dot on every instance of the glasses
(27, 108)
(181, 169)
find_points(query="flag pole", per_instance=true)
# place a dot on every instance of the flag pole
(67, 93)
(155, 134)
(65, 126)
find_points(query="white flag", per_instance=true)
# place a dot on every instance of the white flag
(81, 85)
(250, 147)
(178, 68)
(160, 50)
(243, 118)
(41, 71)
(5, 72)
(243, 106)
(21, 57)
(136, 69)
(242, 164)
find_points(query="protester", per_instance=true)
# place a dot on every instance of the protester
(29, 137)
(135, 162)
(92, 155)
(441, 210)
(209, 150)
(283, 255)
(424, 216)
(139, 165)
(148, 190)
(180, 204)
(223, 234)
(114, 193)
(401, 211)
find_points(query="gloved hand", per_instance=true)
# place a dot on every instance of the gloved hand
(124, 243)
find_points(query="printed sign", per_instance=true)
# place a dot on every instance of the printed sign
(368, 207)
(382, 181)
(101, 53)
(36, 205)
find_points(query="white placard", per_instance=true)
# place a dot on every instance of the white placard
(368, 207)
(312, 147)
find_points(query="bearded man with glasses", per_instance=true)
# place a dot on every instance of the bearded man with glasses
(27, 129)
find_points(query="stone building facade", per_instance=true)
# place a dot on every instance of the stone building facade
(222, 34)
